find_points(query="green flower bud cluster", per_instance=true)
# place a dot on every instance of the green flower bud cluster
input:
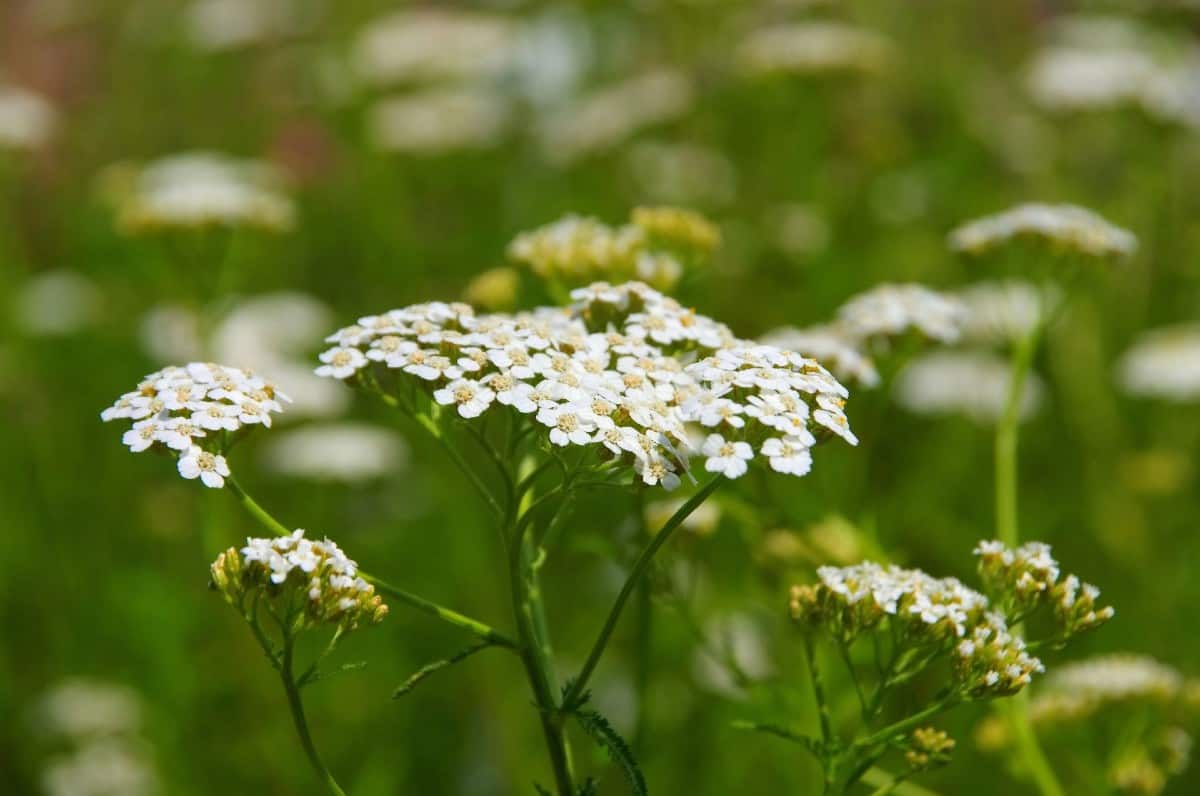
(928, 748)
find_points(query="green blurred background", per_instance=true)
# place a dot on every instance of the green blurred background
(823, 185)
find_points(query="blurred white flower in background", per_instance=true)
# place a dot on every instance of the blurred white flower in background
(76, 708)
(430, 45)
(813, 48)
(554, 52)
(999, 313)
(98, 724)
(270, 334)
(734, 653)
(171, 333)
(27, 120)
(607, 116)
(1103, 63)
(1063, 227)
(436, 121)
(349, 452)
(101, 768)
(57, 302)
(230, 24)
(1164, 363)
(681, 173)
(797, 228)
(892, 309)
(199, 189)
(967, 383)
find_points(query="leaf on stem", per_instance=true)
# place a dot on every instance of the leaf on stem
(436, 666)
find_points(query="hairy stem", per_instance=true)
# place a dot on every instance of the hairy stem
(635, 575)
(537, 665)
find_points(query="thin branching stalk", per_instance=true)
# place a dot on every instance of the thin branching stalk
(297, 708)
(640, 566)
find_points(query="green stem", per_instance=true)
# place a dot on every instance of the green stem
(537, 666)
(1040, 770)
(1008, 532)
(828, 753)
(904, 725)
(1006, 440)
(297, 707)
(452, 617)
(882, 779)
(635, 575)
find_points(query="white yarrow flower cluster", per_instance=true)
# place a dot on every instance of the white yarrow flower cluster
(828, 345)
(1062, 227)
(924, 611)
(625, 370)
(1164, 363)
(334, 591)
(192, 410)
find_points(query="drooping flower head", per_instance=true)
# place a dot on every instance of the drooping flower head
(312, 579)
(196, 411)
(624, 371)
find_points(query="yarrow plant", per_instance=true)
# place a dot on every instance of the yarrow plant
(624, 389)
(891, 626)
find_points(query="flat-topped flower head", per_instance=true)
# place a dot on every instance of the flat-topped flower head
(624, 371)
(890, 310)
(311, 582)
(1062, 228)
(1163, 363)
(196, 411)
(196, 190)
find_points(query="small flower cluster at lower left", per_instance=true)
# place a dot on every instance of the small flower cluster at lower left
(194, 410)
(311, 583)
